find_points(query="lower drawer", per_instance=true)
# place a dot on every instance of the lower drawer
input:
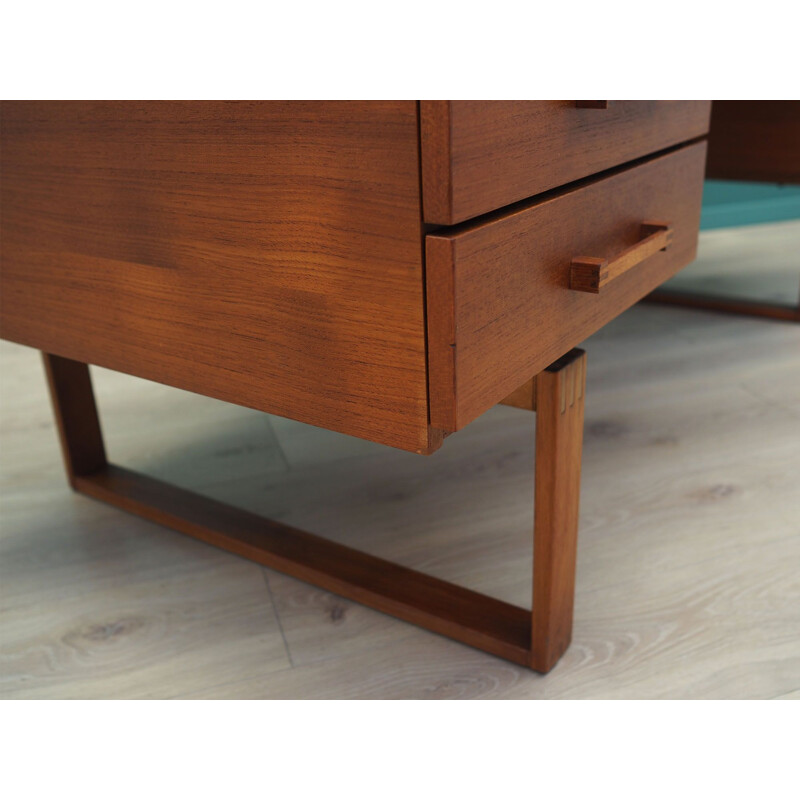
(499, 300)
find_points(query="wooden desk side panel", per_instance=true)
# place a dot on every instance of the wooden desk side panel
(481, 155)
(268, 254)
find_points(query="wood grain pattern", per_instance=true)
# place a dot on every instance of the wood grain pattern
(435, 150)
(478, 155)
(560, 393)
(755, 140)
(589, 274)
(505, 281)
(267, 254)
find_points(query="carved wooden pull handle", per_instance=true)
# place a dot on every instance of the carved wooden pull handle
(591, 104)
(592, 274)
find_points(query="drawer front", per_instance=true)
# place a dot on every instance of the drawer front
(500, 306)
(478, 156)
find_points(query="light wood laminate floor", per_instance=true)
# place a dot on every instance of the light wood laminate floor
(688, 581)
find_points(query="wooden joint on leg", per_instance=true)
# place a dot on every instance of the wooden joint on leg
(560, 393)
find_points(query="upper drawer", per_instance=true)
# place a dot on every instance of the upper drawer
(505, 296)
(480, 155)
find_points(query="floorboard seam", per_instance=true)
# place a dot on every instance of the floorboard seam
(277, 617)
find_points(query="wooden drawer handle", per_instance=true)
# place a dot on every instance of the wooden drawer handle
(591, 104)
(592, 274)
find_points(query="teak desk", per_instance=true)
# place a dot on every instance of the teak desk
(390, 270)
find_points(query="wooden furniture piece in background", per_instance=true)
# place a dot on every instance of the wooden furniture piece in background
(754, 140)
(387, 270)
(749, 140)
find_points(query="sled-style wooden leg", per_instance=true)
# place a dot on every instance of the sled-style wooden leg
(535, 639)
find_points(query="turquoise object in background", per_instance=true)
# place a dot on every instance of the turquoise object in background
(727, 204)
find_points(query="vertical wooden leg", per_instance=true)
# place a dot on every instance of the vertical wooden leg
(76, 416)
(560, 392)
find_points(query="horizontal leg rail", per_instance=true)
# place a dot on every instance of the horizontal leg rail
(728, 305)
(468, 616)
